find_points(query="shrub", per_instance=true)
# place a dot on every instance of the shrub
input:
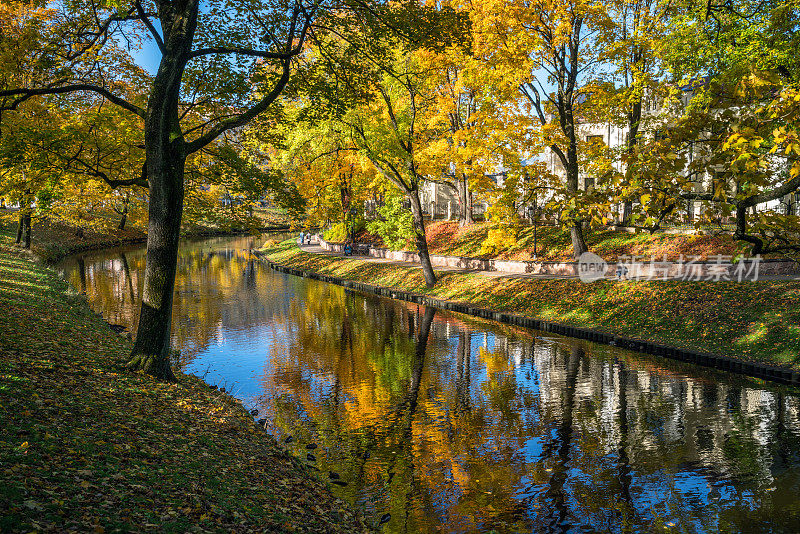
(394, 225)
(336, 233)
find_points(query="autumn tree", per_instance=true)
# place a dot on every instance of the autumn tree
(319, 157)
(30, 174)
(455, 155)
(382, 95)
(387, 131)
(227, 62)
(631, 46)
(737, 64)
(549, 50)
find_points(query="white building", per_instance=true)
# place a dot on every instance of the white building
(656, 118)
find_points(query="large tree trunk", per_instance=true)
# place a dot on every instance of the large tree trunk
(420, 239)
(165, 152)
(151, 350)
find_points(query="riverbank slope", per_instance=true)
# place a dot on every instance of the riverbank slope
(91, 447)
(52, 239)
(552, 243)
(748, 321)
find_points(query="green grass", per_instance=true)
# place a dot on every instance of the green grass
(90, 447)
(51, 239)
(752, 321)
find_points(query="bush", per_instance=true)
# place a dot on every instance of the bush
(336, 233)
(395, 225)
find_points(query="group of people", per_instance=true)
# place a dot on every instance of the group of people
(304, 239)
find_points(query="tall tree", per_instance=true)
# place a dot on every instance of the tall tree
(737, 62)
(385, 96)
(631, 44)
(549, 50)
(388, 133)
(227, 62)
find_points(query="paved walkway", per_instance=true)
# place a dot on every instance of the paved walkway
(315, 248)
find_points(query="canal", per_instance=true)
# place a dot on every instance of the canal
(452, 424)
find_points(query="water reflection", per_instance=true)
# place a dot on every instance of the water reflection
(459, 425)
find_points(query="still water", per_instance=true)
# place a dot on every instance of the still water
(453, 424)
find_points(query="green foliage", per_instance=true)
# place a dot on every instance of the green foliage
(394, 224)
(337, 233)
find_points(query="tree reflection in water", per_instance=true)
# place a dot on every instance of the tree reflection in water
(454, 424)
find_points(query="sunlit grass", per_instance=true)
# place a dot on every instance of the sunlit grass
(554, 243)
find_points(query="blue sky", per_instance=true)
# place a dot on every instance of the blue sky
(148, 57)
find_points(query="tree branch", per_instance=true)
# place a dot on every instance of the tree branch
(146, 20)
(243, 51)
(25, 94)
(243, 118)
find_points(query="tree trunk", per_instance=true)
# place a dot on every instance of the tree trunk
(165, 159)
(123, 219)
(576, 226)
(627, 208)
(20, 228)
(420, 239)
(465, 202)
(578, 241)
(27, 231)
(634, 119)
(757, 245)
(573, 176)
(151, 350)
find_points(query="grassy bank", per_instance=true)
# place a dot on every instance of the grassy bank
(52, 239)
(554, 244)
(752, 321)
(88, 446)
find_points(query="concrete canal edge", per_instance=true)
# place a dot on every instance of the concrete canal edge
(723, 363)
